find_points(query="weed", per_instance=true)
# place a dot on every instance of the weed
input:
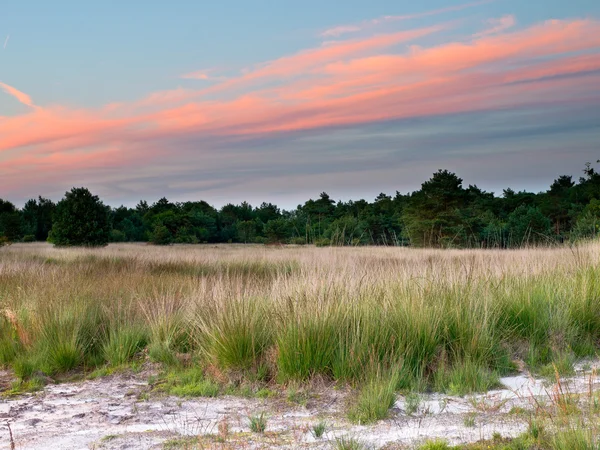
(469, 420)
(435, 445)
(258, 423)
(347, 443)
(411, 403)
(318, 429)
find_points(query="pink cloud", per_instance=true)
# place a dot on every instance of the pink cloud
(20, 96)
(343, 83)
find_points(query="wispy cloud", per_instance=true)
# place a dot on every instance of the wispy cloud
(339, 30)
(20, 96)
(199, 75)
(6, 41)
(498, 25)
(352, 28)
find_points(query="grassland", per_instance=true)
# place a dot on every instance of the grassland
(379, 320)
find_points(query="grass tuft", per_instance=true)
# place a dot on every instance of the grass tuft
(374, 400)
(258, 423)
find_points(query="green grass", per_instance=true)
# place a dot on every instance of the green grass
(161, 352)
(348, 443)
(437, 444)
(123, 343)
(258, 423)
(582, 438)
(465, 378)
(412, 401)
(318, 429)
(236, 336)
(189, 382)
(374, 400)
(562, 364)
(447, 321)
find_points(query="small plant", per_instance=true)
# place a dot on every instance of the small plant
(258, 423)
(435, 445)
(318, 429)
(264, 393)
(411, 403)
(346, 443)
(223, 429)
(188, 383)
(465, 378)
(296, 394)
(374, 400)
(469, 420)
(581, 438)
(563, 365)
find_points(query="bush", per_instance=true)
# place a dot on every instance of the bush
(29, 238)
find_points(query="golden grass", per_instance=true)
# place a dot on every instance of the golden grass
(387, 306)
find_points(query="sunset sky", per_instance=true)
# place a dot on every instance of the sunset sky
(279, 100)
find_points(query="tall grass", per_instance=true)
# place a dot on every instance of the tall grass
(452, 320)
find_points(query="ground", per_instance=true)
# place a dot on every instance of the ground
(120, 411)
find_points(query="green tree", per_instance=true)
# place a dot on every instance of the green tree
(246, 230)
(37, 217)
(81, 219)
(11, 224)
(277, 230)
(528, 226)
(161, 235)
(432, 216)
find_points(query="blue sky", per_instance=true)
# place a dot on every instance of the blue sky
(277, 101)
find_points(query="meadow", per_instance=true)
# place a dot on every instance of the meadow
(378, 320)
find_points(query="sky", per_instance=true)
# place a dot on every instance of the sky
(278, 101)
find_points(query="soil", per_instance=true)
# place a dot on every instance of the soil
(118, 412)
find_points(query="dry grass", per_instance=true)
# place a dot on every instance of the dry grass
(294, 312)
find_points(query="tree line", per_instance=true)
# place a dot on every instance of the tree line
(442, 213)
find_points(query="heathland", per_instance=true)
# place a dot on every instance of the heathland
(376, 320)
